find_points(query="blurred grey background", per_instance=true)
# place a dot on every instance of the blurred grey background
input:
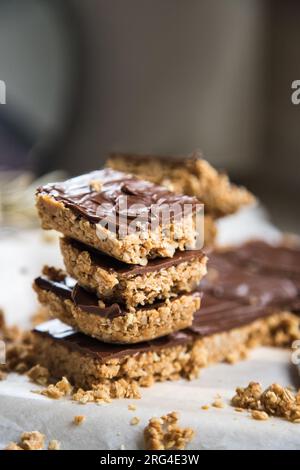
(88, 77)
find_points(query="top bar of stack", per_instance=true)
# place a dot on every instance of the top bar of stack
(120, 215)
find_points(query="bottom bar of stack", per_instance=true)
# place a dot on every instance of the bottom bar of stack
(86, 361)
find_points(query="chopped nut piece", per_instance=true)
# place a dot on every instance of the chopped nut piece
(54, 445)
(164, 433)
(79, 419)
(134, 421)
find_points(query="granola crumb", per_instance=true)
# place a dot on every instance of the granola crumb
(259, 415)
(131, 407)
(79, 419)
(33, 440)
(218, 403)
(134, 421)
(275, 400)
(61, 389)
(164, 433)
(39, 374)
(239, 410)
(18, 344)
(205, 407)
(54, 445)
(106, 391)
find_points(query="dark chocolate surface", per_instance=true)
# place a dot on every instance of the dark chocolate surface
(229, 280)
(111, 264)
(79, 195)
(265, 257)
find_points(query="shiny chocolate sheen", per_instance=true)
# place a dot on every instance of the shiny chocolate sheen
(68, 289)
(229, 280)
(102, 194)
(113, 265)
(217, 315)
(272, 258)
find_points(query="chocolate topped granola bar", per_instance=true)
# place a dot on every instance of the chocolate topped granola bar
(118, 214)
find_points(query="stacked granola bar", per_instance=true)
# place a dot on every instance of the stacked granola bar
(130, 251)
(129, 305)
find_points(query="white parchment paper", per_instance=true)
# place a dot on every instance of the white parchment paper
(108, 426)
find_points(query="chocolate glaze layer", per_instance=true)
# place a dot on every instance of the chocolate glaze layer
(128, 270)
(229, 280)
(68, 289)
(101, 195)
(270, 258)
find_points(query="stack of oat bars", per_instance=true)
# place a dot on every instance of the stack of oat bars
(129, 285)
(129, 306)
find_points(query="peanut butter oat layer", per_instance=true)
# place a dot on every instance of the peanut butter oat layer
(190, 175)
(122, 216)
(113, 322)
(132, 285)
(222, 331)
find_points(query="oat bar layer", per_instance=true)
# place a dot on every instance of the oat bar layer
(86, 362)
(114, 323)
(120, 215)
(132, 285)
(190, 175)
